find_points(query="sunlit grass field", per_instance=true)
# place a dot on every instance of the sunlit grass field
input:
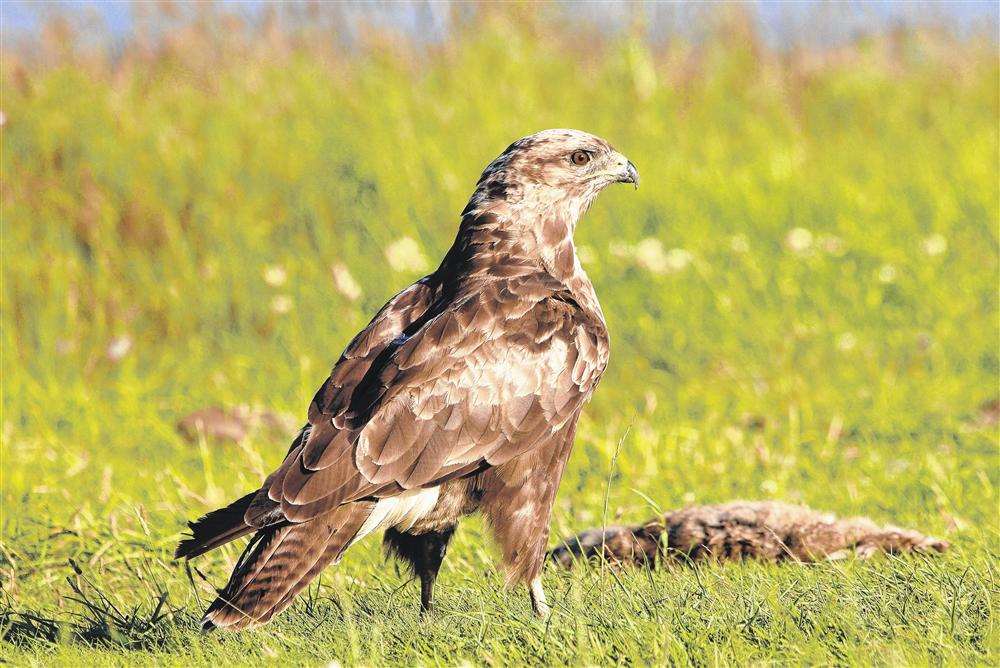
(802, 298)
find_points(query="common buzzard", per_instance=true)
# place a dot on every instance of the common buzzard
(461, 395)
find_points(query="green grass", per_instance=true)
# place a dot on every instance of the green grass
(802, 299)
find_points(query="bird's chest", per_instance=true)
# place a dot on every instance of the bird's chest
(579, 343)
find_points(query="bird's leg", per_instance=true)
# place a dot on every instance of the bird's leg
(427, 579)
(434, 546)
(538, 604)
(424, 552)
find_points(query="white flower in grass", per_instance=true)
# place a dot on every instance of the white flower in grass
(886, 273)
(619, 249)
(799, 240)
(678, 259)
(450, 181)
(739, 243)
(344, 282)
(847, 341)
(586, 254)
(651, 401)
(281, 304)
(649, 254)
(404, 254)
(935, 244)
(119, 347)
(275, 276)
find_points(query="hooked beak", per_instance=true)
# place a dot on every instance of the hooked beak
(629, 174)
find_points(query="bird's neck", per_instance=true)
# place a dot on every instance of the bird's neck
(516, 233)
(553, 239)
(499, 241)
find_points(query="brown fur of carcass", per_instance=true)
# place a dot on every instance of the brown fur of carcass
(767, 531)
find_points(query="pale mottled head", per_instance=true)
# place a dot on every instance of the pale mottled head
(552, 172)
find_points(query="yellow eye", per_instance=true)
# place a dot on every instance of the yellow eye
(580, 158)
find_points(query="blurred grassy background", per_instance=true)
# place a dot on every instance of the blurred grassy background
(802, 299)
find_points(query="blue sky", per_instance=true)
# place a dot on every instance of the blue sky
(782, 21)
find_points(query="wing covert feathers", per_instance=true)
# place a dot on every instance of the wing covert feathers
(478, 380)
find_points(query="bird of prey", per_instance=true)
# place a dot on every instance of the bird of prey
(461, 395)
(768, 531)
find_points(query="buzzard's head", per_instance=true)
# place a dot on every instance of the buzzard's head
(552, 172)
(566, 160)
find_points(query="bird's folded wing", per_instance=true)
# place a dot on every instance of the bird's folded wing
(332, 398)
(475, 385)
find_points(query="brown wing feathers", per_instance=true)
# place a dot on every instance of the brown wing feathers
(440, 399)
(283, 557)
(473, 386)
(239, 518)
(279, 562)
(216, 528)
(466, 387)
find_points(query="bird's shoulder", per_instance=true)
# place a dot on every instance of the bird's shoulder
(395, 317)
(532, 303)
